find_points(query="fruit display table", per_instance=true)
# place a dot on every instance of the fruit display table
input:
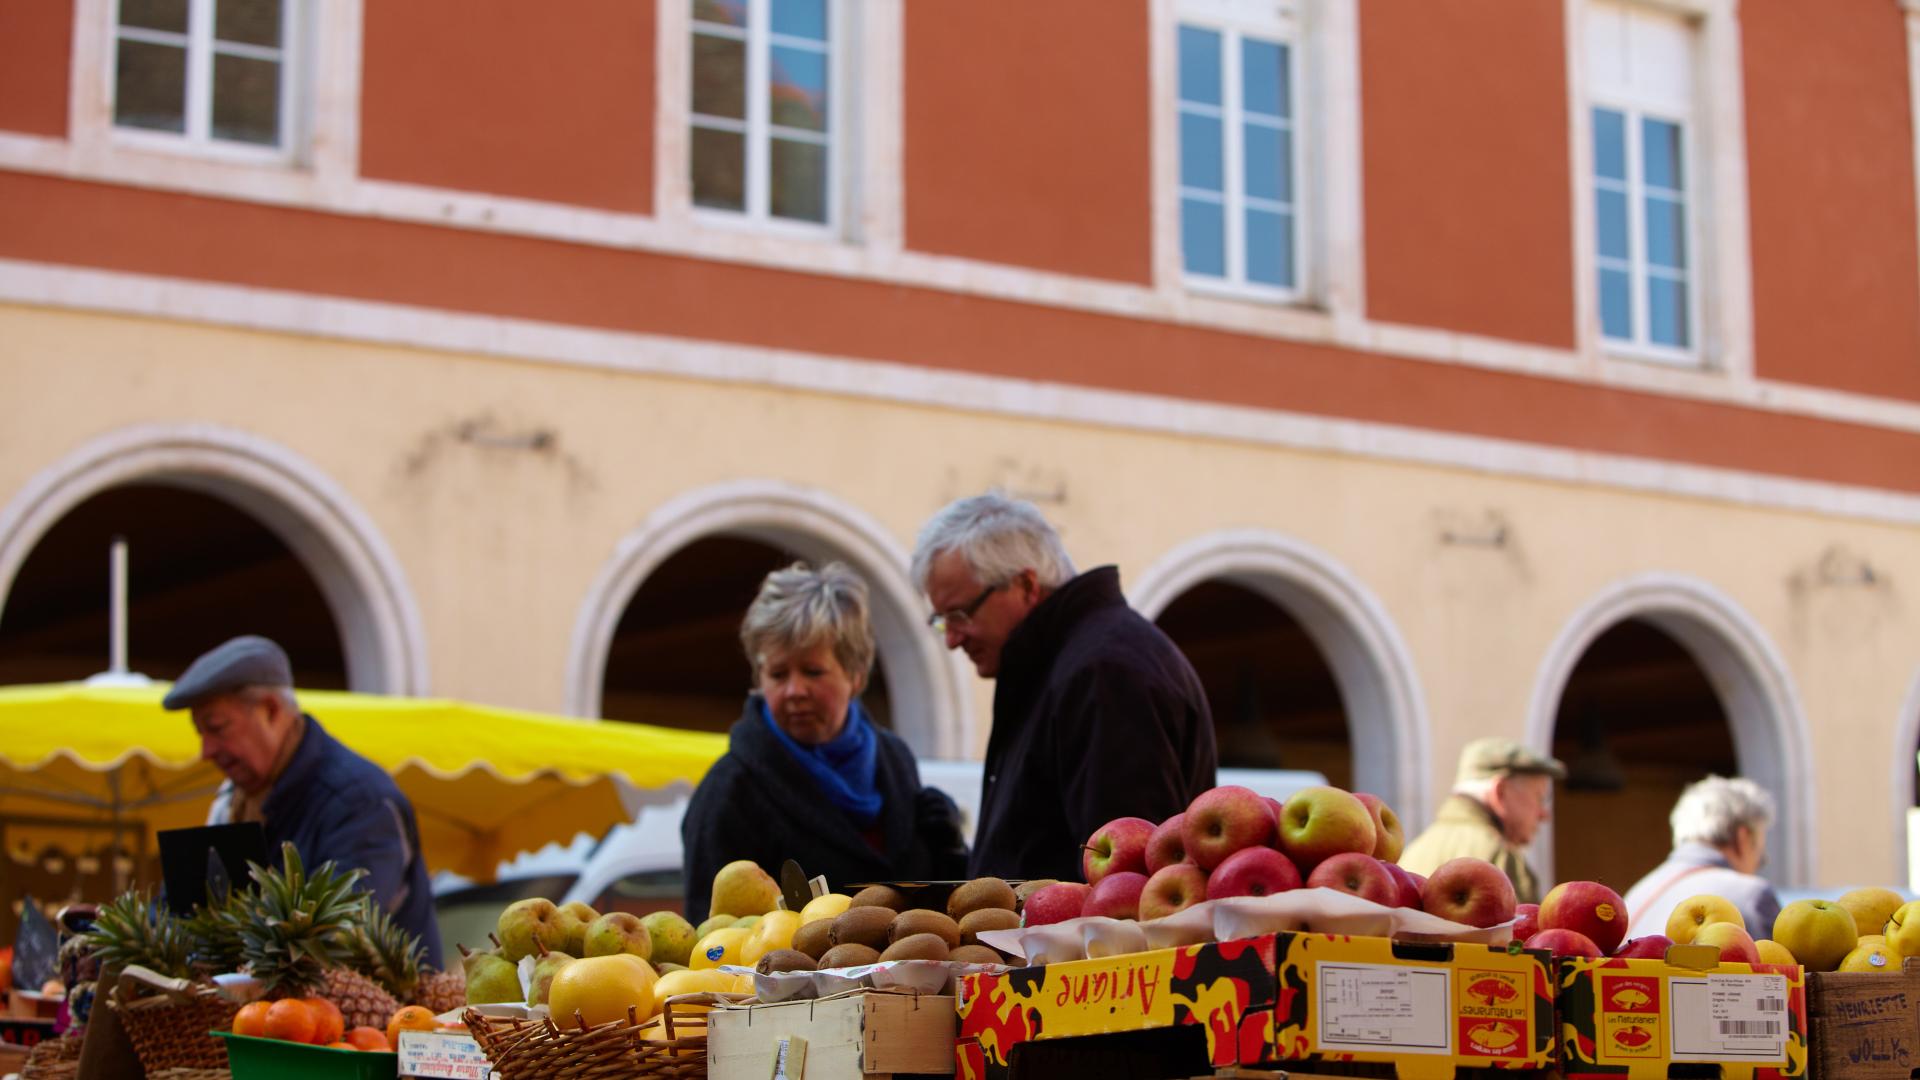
(1423, 1010)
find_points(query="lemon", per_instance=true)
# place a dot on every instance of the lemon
(825, 907)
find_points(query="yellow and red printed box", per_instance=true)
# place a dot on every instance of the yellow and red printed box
(1291, 997)
(1634, 1018)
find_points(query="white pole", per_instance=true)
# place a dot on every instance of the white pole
(118, 563)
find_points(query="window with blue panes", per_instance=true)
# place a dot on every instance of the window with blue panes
(1239, 180)
(762, 109)
(1641, 226)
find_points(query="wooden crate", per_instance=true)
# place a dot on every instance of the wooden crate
(1865, 1027)
(865, 1034)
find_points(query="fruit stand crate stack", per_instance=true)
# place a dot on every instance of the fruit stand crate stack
(1865, 1026)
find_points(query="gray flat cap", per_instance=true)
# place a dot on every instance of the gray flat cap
(233, 665)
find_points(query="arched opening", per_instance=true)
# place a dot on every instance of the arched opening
(201, 570)
(675, 659)
(1276, 702)
(1297, 600)
(1638, 722)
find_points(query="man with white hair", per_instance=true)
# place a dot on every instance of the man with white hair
(1719, 844)
(1096, 714)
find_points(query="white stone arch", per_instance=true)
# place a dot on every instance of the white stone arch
(1771, 742)
(357, 573)
(1386, 710)
(920, 672)
(1906, 728)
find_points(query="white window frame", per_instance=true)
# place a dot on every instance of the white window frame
(1720, 299)
(1639, 269)
(296, 22)
(843, 47)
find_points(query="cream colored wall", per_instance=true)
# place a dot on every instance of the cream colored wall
(501, 545)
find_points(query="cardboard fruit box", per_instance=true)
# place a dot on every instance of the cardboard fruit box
(1421, 1010)
(1641, 1018)
(1865, 1026)
(865, 1033)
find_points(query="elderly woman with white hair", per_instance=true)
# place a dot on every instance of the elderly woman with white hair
(1719, 844)
(807, 774)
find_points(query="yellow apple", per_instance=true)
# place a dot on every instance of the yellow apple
(719, 948)
(1819, 932)
(1873, 939)
(773, 931)
(830, 906)
(601, 989)
(1871, 908)
(1696, 912)
(1772, 952)
(1871, 960)
(1735, 944)
(1903, 929)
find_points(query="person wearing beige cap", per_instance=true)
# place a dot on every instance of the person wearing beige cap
(1502, 794)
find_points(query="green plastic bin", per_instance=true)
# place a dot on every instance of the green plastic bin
(253, 1058)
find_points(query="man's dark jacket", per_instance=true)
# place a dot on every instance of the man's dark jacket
(758, 802)
(337, 806)
(1097, 716)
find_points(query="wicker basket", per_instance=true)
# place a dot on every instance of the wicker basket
(540, 1050)
(167, 1021)
(52, 1059)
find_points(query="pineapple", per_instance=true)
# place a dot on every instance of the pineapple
(299, 925)
(386, 953)
(361, 1000)
(442, 991)
(213, 930)
(134, 930)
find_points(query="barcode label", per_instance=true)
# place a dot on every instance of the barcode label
(1749, 1027)
(1770, 1004)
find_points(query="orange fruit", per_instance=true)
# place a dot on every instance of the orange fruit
(409, 1018)
(291, 1019)
(368, 1038)
(252, 1019)
(340, 1046)
(330, 1025)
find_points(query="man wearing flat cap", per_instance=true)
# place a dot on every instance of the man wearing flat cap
(301, 784)
(1501, 796)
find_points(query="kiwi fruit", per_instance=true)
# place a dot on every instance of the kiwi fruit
(991, 918)
(975, 954)
(869, 926)
(814, 938)
(917, 947)
(885, 896)
(846, 956)
(1028, 888)
(919, 921)
(986, 892)
(784, 960)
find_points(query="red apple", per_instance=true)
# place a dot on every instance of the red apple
(1224, 820)
(1389, 838)
(1254, 871)
(1565, 943)
(1409, 883)
(1173, 888)
(1274, 805)
(1526, 921)
(1359, 875)
(1055, 903)
(1469, 890)
(1589, 907)
(1320, 822)
(1735, 944)
(1167, 845)
(1120, 844)
(1651, 947)
(1117, 896)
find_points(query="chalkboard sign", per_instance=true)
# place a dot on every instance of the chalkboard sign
(36, 952)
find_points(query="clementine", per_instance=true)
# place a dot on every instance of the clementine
(330, 1025)
(339, 1046)
(252, 1019)
(410, 1018)
(291, 1019)
(368, 1038)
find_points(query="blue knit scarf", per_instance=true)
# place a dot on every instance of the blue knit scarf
(843, 766)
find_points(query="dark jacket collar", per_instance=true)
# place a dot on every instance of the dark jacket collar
(316, 746)
(1034, 644)
(773, 767)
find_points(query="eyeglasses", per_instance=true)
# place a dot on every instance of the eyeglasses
(939, 621)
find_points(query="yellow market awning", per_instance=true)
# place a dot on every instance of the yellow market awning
(485, 783)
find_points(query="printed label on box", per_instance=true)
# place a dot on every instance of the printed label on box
(1373, 1007)
(1729, 1018)
(442, 1055)
(1492, 1018)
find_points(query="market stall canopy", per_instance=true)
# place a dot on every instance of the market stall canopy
(485, 782)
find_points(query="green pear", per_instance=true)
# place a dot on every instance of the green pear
(585, 914)
(742, 888)
(544, 970)
(530, 925)
(747, 923)
(718, 922)
(673, 937)
(492, 979)
(618, 932)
